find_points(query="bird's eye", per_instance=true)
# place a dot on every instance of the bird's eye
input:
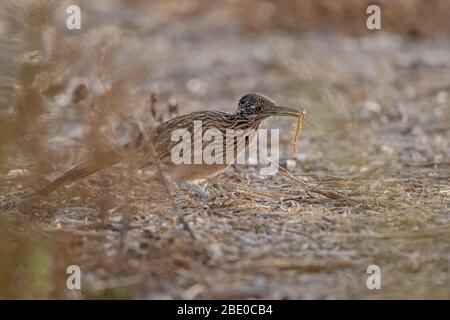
(259, 109)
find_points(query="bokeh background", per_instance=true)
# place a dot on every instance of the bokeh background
(377, 131)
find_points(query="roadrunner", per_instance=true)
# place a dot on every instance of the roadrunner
(154, 148)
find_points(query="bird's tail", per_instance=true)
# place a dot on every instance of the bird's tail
(83, 170)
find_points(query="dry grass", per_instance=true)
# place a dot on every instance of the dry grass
(370, 186)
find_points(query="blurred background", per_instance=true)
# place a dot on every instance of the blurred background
(377, 130)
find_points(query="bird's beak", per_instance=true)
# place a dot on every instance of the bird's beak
(283, 111)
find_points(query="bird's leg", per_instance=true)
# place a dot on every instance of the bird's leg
(196, 190)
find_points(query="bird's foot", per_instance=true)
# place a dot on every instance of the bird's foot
(196, 190)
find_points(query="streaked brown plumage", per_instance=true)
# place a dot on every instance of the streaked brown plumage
(154, 147)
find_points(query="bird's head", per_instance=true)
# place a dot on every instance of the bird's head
(257, 106)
